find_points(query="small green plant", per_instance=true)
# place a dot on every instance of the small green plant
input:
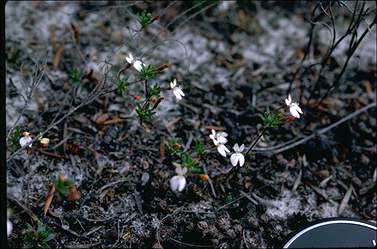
(200, 148)
(14, 139)
(145, 18)
(62, 186)
(147, 72)
(154, 91)
(173, 147)
(144, 112)
(37, 239)
(75, 76)
(272, 119)
(122, 86)
(188, 161)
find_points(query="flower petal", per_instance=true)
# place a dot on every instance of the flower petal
(222, 149)
(179, 90)
(177, 183)
(294, 112)
(176, 93)
(234, 159)
(138, 65)
(222, 140)
(9, 227)
(242, 147)
(241, 159)
(130, 58)
(236, 148)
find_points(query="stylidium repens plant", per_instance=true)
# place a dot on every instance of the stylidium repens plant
(185, 163)
(271, 119)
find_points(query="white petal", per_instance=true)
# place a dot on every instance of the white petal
(242, 147)
(179, 90)
(137, 65)
(223, 134)
(241, 159)
(176, 93)
(234, 159)
(130, 58)
(222, 140)
(25, 140)
(236, 148)
(9, 227)
(177, 183)
(294, 112)
(299, 109)
(222, 149)
(181, 171)
(172, 85)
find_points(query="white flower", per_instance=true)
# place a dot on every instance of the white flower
(177, 183)
(222, 149)
(137, 64)
(374, 242)
(218, 138)
(176, 90)
(237, 157)
(180, 171)
(294, 109)
(9, 227)
(25, 140)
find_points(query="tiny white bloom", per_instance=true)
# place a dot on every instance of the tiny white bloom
(294, 109)
(130, 58)
(374, 242)
(219, 137)
(137, 64)
(180, 171)
(176, 90)
(177, 183)
(237, 157)
(25, 140)
(9, 227)
(222, 149)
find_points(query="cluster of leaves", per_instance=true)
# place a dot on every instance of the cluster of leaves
(63, 185)
(191, 164)
(154, 91)
(144, 112)
(14, 139)
(145, 18)
(75, 76)
(147, 72)
(174, 149)
(122, 86)
(272, 119)
(200, 148)
(37, 239)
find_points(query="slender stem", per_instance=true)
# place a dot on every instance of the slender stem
(256, 140)
(146, 90)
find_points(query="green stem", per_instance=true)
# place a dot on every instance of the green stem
(256, 140)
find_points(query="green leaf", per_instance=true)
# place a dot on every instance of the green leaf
(147, 72)
(145, 18)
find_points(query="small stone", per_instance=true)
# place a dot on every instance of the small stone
(364, 159)
(116, 37)
(356, 181)
(144, 178)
